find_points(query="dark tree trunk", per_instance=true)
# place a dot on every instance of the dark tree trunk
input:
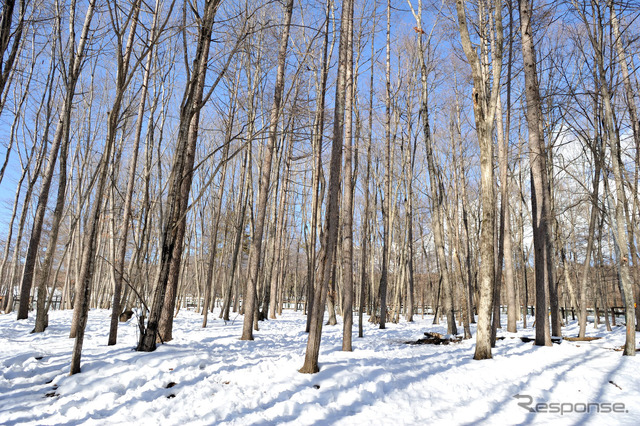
(180, 186)
(540, 195)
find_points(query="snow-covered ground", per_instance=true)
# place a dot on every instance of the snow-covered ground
(209, 376)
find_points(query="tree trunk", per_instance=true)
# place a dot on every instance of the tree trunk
(332, 213)
(239, 228)
(116, 308)
(81, 309)
(540, 196)
(484, 108)
(348, 189)
(217, 211)
(616, 213)
(386, 202)
(505, 251)
(256, 243)
(635, 126)
(586, 269)
(9, 36)
(42, 317)
(76, 59)
(366, 230)
(180, 186)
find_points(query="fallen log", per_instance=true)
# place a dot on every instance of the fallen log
(435, 339)
(581, 339)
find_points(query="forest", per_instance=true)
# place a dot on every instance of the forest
(361, 163)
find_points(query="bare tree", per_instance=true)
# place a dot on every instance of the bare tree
(310, 365)
(485, 99)
(181, 177)
(386, 202)
(216, 213)
(75, 62)
(123, 233)
(317, 178)
(616, 214)
(540, 194)
(263, 192)
(365, 225)
(11, 41)
(123, 78)
(348, 188)
(632, 108)
(506, 250)
(435, 183)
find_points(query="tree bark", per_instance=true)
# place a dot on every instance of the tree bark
(484, 108)
(386, 202)
(9, 36)
(81, 309)
(586, 268)
(256, 243)
(635, 126)
(348, 189)
(180, 183)
(617, 218)
(76, 59)
(540, 196)
(123, 233)
(505, 251)
(310, 365)
(217, 211)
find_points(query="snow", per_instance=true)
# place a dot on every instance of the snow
(219, 379)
